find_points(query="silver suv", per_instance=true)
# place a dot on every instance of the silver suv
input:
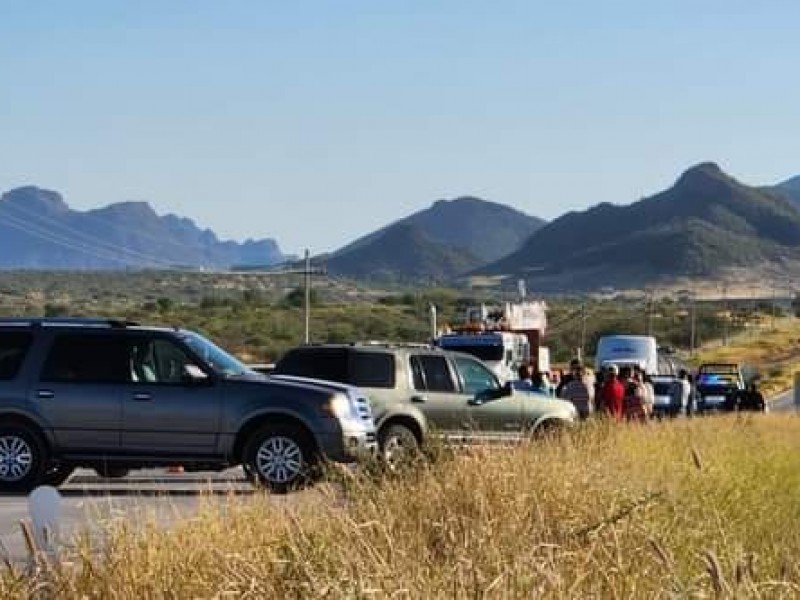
(417, 389)
(113, 396)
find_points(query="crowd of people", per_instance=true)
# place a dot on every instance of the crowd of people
(624, 393)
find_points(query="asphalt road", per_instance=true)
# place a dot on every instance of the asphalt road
(89, 502)
(783, 402)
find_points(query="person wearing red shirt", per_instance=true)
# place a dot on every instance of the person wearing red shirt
(612, 393)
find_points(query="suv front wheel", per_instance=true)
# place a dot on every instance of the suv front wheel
(22, 458)
(279, 457)
(399, 446)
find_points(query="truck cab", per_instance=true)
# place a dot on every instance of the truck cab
(502, 351)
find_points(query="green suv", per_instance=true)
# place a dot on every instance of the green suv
(113, 396)
(417, 389)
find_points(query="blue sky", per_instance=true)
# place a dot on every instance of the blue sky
(317, 122)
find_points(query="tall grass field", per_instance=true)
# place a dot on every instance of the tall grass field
(693, 508)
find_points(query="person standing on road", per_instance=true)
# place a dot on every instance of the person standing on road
(635, 400)
(612, 393)
(580, 391)
(524, 380)
(650, 393)
(685, 390)
(574, 369)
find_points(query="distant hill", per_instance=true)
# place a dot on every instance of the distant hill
(790, 188)
(402, 251)
(453, 236)
(705, 222)
(38, 230)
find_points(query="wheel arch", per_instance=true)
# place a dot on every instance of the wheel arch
(255, 422)
(549, 421)
(16, 418)
(407, 421)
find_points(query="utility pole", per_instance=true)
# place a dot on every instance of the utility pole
(307, 302)
(692, 325)
(307, 272)
(774, 306)
(583, 328)
(725, 314)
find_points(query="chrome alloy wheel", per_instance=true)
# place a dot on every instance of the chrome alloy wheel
(16, 458)
(279, 460)
(395, 452)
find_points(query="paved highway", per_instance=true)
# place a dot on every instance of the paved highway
(783, 402)
(89, 502)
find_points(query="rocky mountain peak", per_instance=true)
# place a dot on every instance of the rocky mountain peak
(39, 200)
(703, 177)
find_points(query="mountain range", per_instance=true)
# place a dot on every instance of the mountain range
(791, 189)
(38, 230)
(705, 223)
(449, 238)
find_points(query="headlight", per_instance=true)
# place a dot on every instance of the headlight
(341, 407)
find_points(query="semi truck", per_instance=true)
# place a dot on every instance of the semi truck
(504, 337)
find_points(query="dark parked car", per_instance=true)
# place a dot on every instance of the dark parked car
(112, 395)
(718, 386)
(667, 392)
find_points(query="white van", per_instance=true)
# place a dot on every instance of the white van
(628, 350)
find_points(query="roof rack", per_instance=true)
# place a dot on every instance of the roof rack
(390, 344)
(67, 322)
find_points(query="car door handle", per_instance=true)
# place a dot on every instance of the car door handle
(142, 397)
(45, 394)
(419, 399)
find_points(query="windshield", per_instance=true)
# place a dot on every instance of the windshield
(219, 360)
(662, 389)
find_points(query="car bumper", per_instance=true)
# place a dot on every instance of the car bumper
(352, 446)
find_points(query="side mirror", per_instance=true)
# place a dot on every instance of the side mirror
(194, 375)
(507, 389)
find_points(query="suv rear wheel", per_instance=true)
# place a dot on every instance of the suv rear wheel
(279, 457)
(22, 458)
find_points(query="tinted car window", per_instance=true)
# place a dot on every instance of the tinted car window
(88, 359)
(373, 369)
(662, 389)
(159, 361)
(13, 348)
(475, 376)
(435, 374)
(330, 364)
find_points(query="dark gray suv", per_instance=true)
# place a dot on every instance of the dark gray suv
(112, 395)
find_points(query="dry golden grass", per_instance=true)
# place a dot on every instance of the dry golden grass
(691, 508)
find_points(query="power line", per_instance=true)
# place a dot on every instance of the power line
(56, 238)
(80, 237)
